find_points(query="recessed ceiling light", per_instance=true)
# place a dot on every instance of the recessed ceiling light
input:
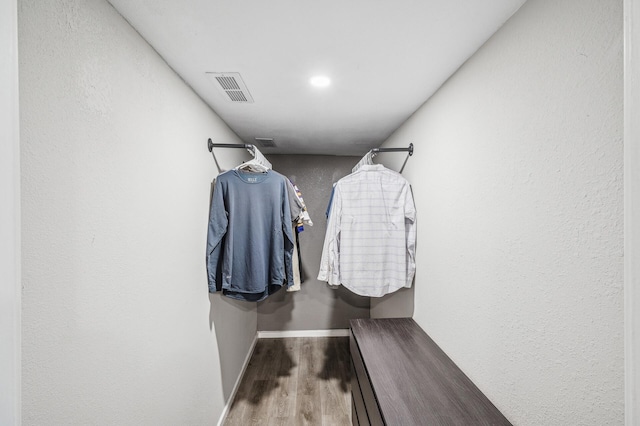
(320, 81)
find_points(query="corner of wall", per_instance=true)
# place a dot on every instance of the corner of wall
(632, 211)
(10, 280)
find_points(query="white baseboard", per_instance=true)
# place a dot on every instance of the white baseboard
(303, 333)
(232, 396)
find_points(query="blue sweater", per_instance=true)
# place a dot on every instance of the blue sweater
(250, 241)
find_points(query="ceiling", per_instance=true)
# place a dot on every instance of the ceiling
(384, 59)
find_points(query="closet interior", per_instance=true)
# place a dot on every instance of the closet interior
(285, 373)
(505, 118)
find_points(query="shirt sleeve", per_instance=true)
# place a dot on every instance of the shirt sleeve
(330, 201)
(329, 262)
(410, 229)
(218, 223)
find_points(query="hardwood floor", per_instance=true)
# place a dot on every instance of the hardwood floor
(295, 381)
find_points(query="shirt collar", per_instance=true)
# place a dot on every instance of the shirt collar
(371, 167)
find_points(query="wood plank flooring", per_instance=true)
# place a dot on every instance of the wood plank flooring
(295, 381)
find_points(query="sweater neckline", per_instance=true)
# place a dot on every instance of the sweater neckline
(252, 177)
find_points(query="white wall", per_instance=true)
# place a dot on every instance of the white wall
(518, 181)
(118, 327)
(632, 211)
(9, 218)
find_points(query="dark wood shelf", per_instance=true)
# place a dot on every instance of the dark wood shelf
(401, 377)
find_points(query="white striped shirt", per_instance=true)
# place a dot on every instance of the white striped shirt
(369, 246)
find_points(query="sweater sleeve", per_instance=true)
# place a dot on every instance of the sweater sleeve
(218, 223)
(288, 236)
(295, 205)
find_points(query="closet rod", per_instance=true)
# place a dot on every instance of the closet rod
(408, 149)
(248, 146)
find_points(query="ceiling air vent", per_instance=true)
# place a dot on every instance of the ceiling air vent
(232, 85)
(266, 142)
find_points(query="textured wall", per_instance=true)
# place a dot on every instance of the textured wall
(9, 219)
(632, 210)
(118, 327)
(315, 306)
(518, 179)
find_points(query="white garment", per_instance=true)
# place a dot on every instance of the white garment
(369, 245)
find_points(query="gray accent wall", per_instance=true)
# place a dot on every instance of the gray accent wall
(315, 306)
